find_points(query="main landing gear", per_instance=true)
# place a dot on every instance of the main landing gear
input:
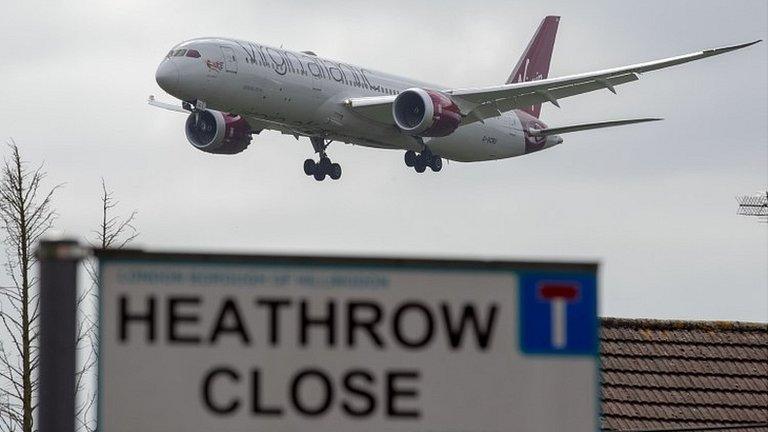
(323, 167)
(425, 159)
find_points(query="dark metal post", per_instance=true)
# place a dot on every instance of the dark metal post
(58, 320)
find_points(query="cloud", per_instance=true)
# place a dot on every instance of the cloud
(653, 203)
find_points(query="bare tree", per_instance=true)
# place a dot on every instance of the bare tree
(114, 232)
(26, 213)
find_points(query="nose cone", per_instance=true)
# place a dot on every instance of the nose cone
(167, 76)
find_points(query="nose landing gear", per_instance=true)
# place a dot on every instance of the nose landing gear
(324, 167)
(425, 159)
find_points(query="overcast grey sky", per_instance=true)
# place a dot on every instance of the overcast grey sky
(654, 204)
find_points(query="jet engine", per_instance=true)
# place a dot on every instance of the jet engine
(425, 113)
(217, 132)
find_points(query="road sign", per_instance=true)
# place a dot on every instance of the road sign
(231, 343)
(558, 314)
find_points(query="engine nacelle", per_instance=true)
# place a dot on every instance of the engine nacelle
(425, 113)
(217, 132)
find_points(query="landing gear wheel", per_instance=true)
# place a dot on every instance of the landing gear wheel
(324, 167)
(420, 164)
(436, 163)
(410, 158)
(309, 167)
(335, 171)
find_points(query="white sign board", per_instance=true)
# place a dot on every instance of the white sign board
(211, 343)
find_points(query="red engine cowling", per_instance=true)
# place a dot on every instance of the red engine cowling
(217, 132)
(426, 113)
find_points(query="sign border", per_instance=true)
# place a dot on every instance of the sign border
(105, 256)
(367, 261)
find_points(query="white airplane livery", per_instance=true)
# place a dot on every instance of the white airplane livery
(232, 89)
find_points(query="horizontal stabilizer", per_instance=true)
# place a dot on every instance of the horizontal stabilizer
(588, 126)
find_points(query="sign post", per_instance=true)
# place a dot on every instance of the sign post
(58, 322)
(216, 342)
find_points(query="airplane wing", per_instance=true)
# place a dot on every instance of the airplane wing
(477, 104)
(166, 106)
(588, 126)
(378, 108)
(256, 123)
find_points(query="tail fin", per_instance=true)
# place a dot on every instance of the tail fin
(534, 63)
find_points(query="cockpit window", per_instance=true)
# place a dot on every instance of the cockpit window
(179, 53)
(170, 54)
(193, 53)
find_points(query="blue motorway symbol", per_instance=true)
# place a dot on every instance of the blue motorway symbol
(558, 313)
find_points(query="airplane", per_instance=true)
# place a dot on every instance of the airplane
(232, 89)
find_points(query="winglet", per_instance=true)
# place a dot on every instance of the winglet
(725, 49)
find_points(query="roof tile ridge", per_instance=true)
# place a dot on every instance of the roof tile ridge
(689, 374)
(685, 389)
(682, 357)
(721, 422)
(761, 344)
(688, 404)
(659, 324)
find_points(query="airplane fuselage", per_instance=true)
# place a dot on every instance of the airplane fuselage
(301, 93)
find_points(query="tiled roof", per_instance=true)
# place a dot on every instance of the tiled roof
(659, 375)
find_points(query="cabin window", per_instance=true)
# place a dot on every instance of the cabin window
(193, 53)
